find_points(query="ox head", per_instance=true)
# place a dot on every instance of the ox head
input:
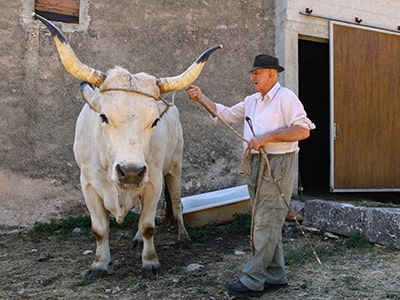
(127, 108)
(128, 118)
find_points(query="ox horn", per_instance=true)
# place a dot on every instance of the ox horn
(183, 80)
(70, 61)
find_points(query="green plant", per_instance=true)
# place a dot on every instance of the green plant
(130, 222)
(240, 224)
(82, 283)
(323, 228)
(83, 222)
(62, 225)
(202, 235)
(357, 240)
(296, 256)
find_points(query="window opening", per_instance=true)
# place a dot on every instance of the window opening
(66, 11)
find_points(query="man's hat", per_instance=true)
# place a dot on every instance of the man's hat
(267, 62)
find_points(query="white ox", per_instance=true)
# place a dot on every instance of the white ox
(127, 142)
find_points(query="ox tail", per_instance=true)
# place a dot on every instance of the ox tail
(185, 79)
(68, 58)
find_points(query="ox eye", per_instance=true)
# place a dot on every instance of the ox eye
(155, 122)
(103, 118)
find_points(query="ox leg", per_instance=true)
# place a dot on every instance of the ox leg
(137, 240)
(100, 220)
(146, 230)
(174, 188)
(169, 213)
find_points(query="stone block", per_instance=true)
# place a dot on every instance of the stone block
(297, 208)
(377, 225)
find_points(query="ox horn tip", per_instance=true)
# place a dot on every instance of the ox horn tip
(53, 29)
(36, 16)
(206, 54)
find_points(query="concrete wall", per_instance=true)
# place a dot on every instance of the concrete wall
(291, 25)
(40, 100)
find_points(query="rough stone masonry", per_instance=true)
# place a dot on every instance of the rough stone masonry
(377, 225)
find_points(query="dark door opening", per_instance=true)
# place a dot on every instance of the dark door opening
(314, 167)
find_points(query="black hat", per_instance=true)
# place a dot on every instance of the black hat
(266, 61)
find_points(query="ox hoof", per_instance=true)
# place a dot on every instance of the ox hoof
(137, 243)
(95, 274)
(185, 244)
(152, 272)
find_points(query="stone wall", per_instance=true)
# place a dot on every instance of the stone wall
(377, 225)
(40, 101)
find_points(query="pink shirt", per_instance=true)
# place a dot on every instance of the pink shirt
(280, 108)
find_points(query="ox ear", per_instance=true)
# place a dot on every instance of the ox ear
(90, 96)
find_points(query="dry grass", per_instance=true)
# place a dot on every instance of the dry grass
(51, 265)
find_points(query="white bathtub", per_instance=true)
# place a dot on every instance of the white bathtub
(216, 207)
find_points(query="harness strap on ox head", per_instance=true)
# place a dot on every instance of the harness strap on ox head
(166, 102)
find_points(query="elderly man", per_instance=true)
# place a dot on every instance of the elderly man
(278, 122)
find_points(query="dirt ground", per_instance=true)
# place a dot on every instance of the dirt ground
(52, 265)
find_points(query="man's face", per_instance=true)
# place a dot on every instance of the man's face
(263, 80)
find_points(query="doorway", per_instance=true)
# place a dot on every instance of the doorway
(314, 93)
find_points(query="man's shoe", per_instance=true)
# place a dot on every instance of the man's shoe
(268, 287)
(239, 289)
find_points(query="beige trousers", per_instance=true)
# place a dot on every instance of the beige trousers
(267, 263)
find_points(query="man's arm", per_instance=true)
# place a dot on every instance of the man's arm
(291, 134)
(197, 95)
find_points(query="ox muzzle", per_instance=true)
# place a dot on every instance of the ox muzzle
(130, 176)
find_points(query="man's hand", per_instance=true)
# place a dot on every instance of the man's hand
(194, 92)
(257, 142)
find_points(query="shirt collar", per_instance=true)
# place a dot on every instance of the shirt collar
(273, 91)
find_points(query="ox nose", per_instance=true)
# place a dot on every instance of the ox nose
(130, 176)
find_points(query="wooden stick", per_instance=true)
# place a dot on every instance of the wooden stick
(297, 222)
(254, 208)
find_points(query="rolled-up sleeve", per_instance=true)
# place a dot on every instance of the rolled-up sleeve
(294, 112)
